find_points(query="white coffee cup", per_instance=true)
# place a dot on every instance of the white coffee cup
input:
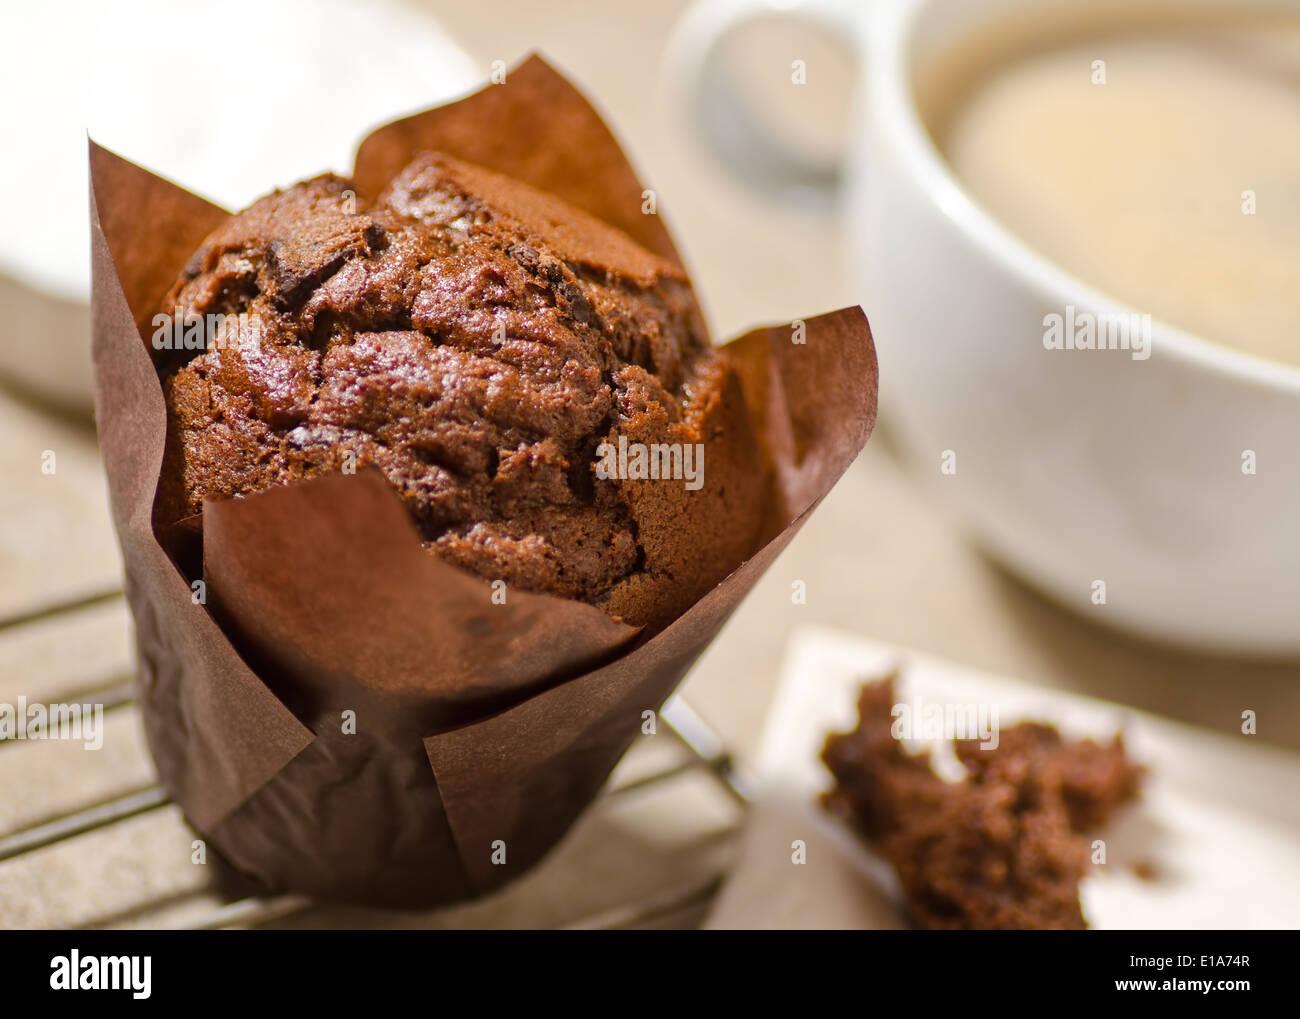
(1072, 467)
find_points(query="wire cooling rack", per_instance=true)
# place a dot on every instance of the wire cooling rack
(650, 852)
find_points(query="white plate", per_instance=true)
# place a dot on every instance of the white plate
(1219, 817)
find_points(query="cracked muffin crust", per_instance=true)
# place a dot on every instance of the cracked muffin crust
(476, 341)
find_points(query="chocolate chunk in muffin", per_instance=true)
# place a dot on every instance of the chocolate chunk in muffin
(477, 342)
(1004, 848)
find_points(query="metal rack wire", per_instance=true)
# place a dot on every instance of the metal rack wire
(705, 753)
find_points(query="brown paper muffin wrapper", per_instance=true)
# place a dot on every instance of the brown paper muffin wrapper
(482, 730)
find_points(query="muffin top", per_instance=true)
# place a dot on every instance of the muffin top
(476, 341)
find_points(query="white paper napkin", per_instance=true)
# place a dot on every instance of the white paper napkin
(1218, 821)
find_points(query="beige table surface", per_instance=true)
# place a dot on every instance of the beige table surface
(877, 557)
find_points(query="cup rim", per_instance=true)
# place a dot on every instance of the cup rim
(893, 105)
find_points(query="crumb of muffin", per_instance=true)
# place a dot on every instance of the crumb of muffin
(1003, 848)
(1145, 870)
(476, 341)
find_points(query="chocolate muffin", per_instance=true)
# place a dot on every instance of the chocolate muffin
(1006, 847)
(521, 373)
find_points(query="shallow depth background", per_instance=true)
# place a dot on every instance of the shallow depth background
(877, 557)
